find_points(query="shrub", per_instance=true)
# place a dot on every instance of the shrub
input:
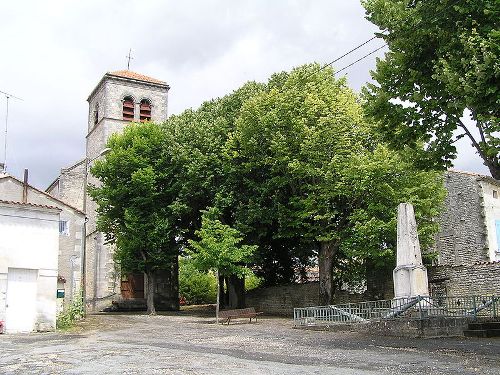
(72, 313)
(252, 282)
(196, 287)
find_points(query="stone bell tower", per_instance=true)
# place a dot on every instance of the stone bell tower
(119, 98)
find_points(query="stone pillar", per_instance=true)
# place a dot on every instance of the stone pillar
(410, 276)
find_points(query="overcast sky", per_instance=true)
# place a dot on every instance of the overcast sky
(53, 53)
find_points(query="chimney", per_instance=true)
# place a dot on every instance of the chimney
(25, 186)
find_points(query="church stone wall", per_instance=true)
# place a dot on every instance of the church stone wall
(102, 282)
(69, 187)
(98, 98)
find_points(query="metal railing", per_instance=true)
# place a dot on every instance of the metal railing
(420, 307)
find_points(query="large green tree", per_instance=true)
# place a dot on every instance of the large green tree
(306, 154)
(443, 65)
(138, 204)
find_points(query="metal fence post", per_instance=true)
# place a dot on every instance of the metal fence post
(474, 307)
(493, 299)
(420, 307)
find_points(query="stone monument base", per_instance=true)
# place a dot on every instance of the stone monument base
(410, 281)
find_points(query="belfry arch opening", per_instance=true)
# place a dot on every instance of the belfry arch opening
(128, 108)
(145, 110)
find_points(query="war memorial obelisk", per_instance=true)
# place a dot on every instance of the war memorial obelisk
(410, 275)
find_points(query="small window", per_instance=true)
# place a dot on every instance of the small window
(145, 110)
(96, 114)
(63, 228)
(497, 229)
(495, 194)
(128, 109)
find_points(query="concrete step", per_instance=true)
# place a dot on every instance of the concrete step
(482, 333)
(137, 304)
(484, 325)
(475, 333)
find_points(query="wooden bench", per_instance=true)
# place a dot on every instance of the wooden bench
(227, 315)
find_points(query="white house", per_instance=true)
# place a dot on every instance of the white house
(71, 229)
(29, 245)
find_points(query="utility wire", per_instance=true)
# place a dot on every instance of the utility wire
(341, 57)
(361, 58)
(366, 42)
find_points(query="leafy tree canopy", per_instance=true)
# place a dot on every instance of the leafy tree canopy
(137, 201)
(442, 65)
(309, 161)
(219, 248)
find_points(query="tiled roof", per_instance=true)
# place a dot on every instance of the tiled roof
(474, 174)
(44, 193)
(485, 263)
(478, 176)
(137, 76)
(30, 205)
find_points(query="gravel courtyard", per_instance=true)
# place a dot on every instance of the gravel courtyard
(187, 344)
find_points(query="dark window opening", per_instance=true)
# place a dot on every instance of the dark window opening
(96, 114)
(145, 110)
(128, 109)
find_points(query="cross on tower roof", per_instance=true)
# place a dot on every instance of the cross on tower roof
(129, 57)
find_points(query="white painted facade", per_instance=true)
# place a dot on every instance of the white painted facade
(29, 245)
(491, 206)
(70, 235)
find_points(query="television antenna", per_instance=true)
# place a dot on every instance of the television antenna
(7, 97)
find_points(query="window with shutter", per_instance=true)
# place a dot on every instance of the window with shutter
(128, 109)
(145, 110)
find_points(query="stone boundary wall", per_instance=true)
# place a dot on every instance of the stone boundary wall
(475, 279)
(281, 300)
(431, 327)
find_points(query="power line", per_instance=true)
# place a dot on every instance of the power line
(342, 56)
(361, 58)
(366, 42)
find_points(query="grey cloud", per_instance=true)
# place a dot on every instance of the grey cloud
(57, 51)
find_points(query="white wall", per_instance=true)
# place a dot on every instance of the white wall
(30, 239)
(492, 213)
(70, 245)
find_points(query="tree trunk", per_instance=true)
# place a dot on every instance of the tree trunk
(327, 252)
(226, 292)
(495, 172)
(167, 287)
(221, 295)
(217, 306)
(236, 291)
(150, 292)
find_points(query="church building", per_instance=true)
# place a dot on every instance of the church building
(119, 99)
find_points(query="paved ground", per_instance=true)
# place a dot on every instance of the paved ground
(183, 344)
